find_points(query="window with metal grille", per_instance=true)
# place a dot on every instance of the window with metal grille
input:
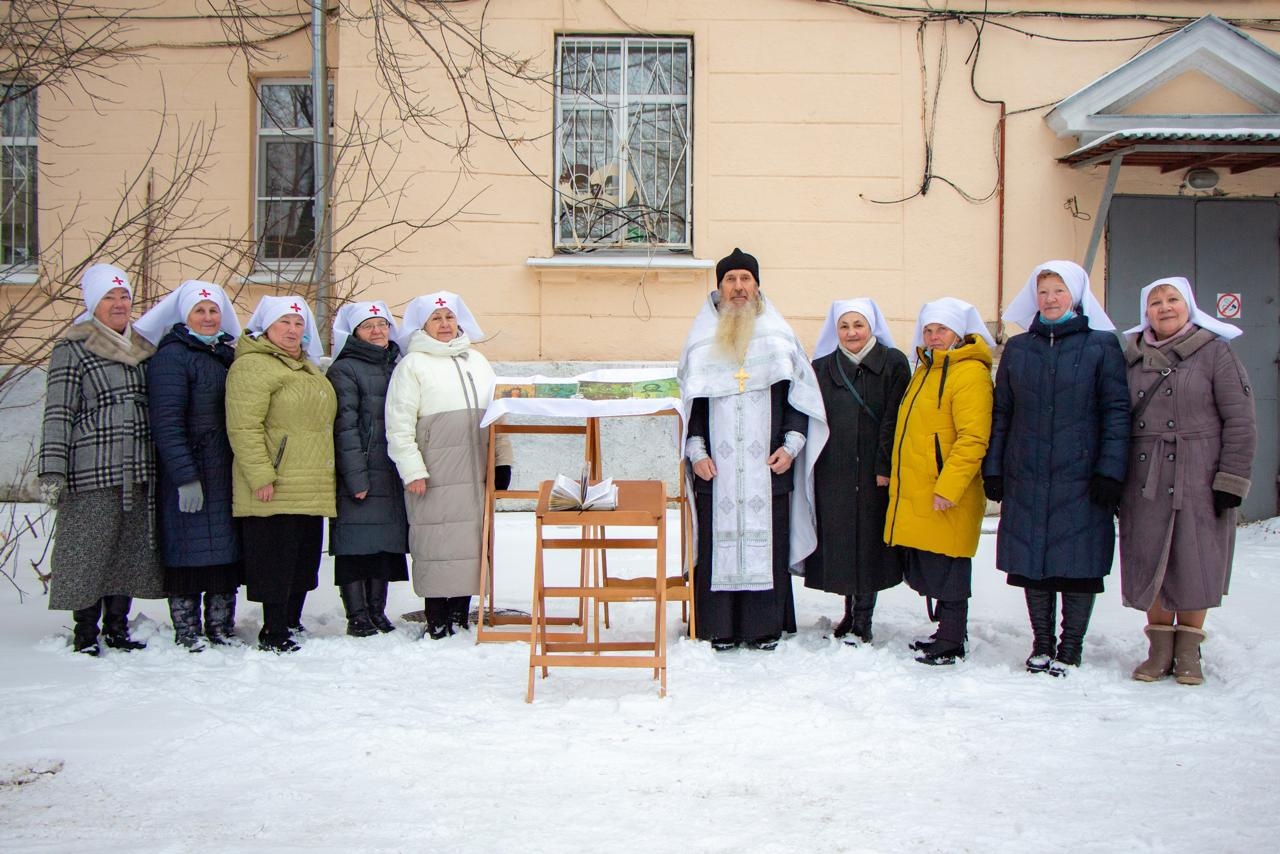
(623, 142)
(18, 246)
(286, 224)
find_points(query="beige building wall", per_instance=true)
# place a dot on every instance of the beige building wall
(805, 115)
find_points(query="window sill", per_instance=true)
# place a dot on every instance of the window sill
(19, 278)
(286, 276)
(661, 261)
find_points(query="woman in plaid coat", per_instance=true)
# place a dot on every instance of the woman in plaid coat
(96, 466)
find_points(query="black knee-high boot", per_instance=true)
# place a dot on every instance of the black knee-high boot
(85, 634)
(115, 623)
(220, 618)
(437, 609)
(375, 590)
(357, 608)
(1041, 608)
(274, 636)
(1077, 608)
(460, 612)
(863, 608)
(948, 645)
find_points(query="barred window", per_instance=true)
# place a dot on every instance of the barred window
(18, 246)
(622, 142)
(286, 224)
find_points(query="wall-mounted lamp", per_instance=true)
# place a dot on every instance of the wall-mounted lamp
(1200, 178)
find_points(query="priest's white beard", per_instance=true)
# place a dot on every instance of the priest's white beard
(735, 327)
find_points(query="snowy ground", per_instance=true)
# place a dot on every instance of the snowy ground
(397, 744)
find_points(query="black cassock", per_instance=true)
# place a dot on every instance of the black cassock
(746, 615)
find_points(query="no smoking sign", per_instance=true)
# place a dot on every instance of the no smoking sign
(1229, 306)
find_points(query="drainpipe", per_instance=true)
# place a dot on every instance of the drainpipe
(1000, 232)
(320, 165)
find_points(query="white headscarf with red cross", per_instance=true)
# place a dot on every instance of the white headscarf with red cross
(353, 314)
(176, 307)
(271, 309)
(97, 281)
(420, 309)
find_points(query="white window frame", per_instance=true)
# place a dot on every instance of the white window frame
(618, 104)
(277, 269)
(23, 272)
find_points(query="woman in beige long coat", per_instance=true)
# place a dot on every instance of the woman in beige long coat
(280, 411)
(438, 393)
(1191, 446)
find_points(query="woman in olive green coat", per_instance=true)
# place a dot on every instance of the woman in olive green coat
(280, 411)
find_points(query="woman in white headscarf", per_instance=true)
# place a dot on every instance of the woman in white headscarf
(96, 466)
(1191, 447)
(935, 486)
(369, 536)
(1057, 458)
(194, 328)
(437, 396)
(280, 411)
(862, 378)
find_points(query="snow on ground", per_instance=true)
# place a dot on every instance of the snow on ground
(396, 744)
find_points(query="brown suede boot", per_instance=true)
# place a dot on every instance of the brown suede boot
(1159, 657)
(1186, 655)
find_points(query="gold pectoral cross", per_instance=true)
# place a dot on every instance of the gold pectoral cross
(742, 376)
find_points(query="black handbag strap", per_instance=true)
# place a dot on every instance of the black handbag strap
(857, 397)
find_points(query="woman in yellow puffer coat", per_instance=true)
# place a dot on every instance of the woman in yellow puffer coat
(935, 485)
(280, 411)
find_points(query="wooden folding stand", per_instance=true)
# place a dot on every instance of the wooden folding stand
(641, 503)
(492, 626)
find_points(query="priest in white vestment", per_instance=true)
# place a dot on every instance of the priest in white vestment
(756, 427)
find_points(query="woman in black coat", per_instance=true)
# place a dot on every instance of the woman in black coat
(862, 378)
(1058, 455)
(195, 327)
(370, 535)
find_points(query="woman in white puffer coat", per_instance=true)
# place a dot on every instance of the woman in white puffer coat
(438, 393)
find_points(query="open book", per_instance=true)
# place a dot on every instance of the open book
(569, 494)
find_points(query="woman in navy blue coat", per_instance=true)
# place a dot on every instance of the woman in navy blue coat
(186, 385)
(1058, 455)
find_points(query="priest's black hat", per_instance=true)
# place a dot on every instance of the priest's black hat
(738, 260)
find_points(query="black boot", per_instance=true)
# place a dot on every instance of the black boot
(274, 636)
(1077, 608)
(953, 618)
(1041, 608)
(85, 634)
(376, 593)
(437, 609)
(115, 623)
(294, 613)
(184, 611)
(460, 612)
(863, 608)
(845, 625)
(357, 608)
(220, 618)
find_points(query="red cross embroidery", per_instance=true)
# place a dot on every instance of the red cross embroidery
(296, 307)
(118, 280)
(373, 309)
(441, 302)
(205, 293)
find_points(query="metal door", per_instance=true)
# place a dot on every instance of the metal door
(1224, 246)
